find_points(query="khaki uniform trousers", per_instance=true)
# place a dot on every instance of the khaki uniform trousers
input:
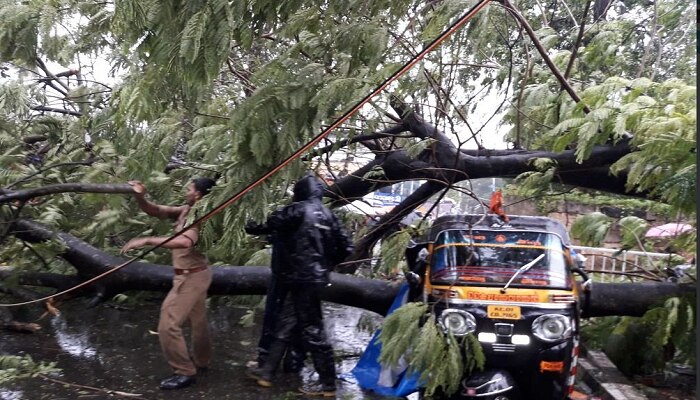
(186, 301)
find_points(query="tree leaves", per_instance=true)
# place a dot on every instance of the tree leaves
(17, 367)
(410, 334)
(18, 33)
(192, 35)
(231, 88)
(654, 331)
(399, 331)
(417, 147)
(633, 230)
(392, 250)
(591, 229)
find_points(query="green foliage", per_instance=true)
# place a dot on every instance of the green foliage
(591, 229)
(410, 334)
(537, 182)
(392, 250)
(18, 32)
(399, 330)
(626, 204)
(14, 101)
(18, 367)
(376, 172)
(261, 257)
(665, 130)
(644, 345)
(633, 230)
(416, 148)
(444, 13)
(595, 332)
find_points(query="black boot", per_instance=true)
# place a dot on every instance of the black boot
(293, 361)
(325, 367)
(176, 381)
(263, 376)
(294, 358)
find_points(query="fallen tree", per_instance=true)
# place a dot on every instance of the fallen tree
(443, 165)
(631, 299)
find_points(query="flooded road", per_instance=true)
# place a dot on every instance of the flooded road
(117, 349)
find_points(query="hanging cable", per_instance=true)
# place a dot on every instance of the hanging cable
(310, 144)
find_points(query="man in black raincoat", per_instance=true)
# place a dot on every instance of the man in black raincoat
(310, 241)
(294, 356)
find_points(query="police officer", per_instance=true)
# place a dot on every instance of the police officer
(186, 301)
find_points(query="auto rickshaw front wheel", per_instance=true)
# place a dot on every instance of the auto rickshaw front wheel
(512, 394)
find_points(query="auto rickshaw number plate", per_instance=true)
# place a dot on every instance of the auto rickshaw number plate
(503, 312)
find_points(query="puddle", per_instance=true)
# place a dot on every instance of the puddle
(115, 349)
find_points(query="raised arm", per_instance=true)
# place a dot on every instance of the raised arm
(186, 240)
(156, 210)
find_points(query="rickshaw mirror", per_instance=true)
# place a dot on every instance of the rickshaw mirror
(423, 254)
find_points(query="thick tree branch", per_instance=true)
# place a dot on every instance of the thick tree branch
(388, 223)
(27, 194)
(228, 280)
(374, 295)
(443, 164)
(57, 110)
(388, 132)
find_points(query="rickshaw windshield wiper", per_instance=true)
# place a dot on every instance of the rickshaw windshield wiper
(522, 269)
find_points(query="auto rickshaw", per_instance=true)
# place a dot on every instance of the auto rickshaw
(511, 284)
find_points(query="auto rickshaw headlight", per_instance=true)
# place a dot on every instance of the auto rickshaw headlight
(458, 322)
(552, 327)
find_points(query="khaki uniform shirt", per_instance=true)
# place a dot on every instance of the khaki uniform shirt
(190, 257)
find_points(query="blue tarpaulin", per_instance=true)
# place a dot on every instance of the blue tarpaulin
(388, 381)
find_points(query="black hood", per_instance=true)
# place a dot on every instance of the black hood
(308, 187)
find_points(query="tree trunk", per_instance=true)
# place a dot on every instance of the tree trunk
(632, 299)
(374, 295)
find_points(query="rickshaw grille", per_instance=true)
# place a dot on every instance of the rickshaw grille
(503, 348)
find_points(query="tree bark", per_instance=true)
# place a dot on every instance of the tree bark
(22, 195)
(443, 165)
(374, 295)
(632, 299)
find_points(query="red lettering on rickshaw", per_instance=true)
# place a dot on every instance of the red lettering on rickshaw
(528, 298)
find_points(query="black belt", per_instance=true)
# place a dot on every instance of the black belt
(189, 271)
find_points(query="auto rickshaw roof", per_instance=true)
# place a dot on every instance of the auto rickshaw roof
(492, 222)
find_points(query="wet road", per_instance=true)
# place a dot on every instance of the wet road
(116, 349)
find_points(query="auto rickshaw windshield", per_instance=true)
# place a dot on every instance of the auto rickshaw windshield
(490, 258)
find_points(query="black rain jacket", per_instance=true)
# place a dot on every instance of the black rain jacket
(309, 240)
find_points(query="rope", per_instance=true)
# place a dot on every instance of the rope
(407, 66)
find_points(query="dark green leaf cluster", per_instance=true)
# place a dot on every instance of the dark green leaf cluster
(644, 345)
(393, 250)
(411, 335)
(17, 367)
